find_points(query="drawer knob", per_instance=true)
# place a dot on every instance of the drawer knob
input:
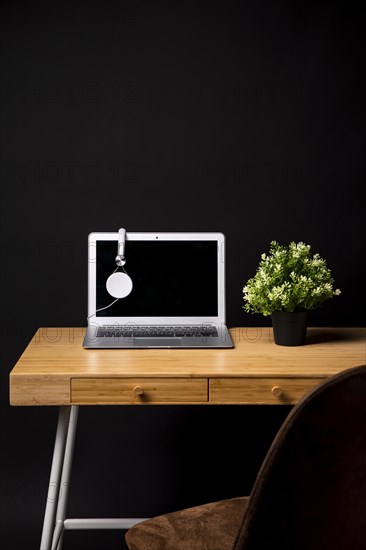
(277, 391)
(138, 390)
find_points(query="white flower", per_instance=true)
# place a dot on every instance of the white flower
(274, 286)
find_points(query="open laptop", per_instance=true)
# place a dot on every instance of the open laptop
(177, 294)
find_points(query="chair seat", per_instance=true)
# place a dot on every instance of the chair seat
(309, 494)
(213, 526)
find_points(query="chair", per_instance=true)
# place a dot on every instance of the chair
(310, 493)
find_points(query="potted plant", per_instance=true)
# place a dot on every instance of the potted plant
(289, 282)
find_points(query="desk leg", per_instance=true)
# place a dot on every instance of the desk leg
(61, 466)
(65, 480)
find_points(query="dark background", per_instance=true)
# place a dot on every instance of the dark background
(241, 117)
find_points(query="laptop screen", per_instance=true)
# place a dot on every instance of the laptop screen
(170, 279)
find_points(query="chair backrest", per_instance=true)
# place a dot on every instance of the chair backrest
(310, 493)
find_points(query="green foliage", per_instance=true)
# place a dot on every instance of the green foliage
(289, 279)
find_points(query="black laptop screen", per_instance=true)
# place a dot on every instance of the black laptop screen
(170, 279)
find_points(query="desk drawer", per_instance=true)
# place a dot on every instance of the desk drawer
(138, 390)
(259, 391)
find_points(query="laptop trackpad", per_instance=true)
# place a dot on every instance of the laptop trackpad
(157, 342)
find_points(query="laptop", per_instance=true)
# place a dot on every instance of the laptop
(173, 293)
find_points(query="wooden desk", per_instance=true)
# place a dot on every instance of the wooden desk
(56, 370)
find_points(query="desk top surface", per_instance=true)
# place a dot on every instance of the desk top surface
(58, 352)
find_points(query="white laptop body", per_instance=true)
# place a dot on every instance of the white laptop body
(178, 291)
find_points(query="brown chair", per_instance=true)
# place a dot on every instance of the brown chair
(310, 493)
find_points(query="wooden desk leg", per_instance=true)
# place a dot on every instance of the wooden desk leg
(59, 479)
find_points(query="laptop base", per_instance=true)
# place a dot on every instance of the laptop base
(91, 341)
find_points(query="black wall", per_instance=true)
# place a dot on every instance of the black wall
(241, 117)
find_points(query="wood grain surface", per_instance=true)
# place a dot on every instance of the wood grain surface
(55, 357)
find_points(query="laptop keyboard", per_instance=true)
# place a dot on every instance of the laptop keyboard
(159, 332)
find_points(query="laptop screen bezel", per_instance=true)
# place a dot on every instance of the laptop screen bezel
(162, 236)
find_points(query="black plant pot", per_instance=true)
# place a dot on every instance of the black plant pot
(289, 327)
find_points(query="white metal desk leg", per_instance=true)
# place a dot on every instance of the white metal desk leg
(55, 477)
(65, 480)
